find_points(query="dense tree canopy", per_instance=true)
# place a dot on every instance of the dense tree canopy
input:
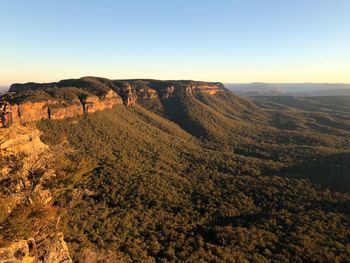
(226, 190)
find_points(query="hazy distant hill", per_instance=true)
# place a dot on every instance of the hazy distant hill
(3, 89)
(332, 92)
(290, 89)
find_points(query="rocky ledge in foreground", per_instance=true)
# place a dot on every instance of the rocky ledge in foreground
(28, 218)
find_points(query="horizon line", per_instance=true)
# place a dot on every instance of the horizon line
(223, 82)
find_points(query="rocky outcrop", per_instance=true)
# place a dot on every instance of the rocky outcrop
(176, 90)
(93, 103)
(16, 145)
(57, 111)
(126, 92)
(54, 249)
(16, 252)
(168, 91)
(149, 90)
(208, 89)
(51, 250)
(21, 152)
(19, 139)
(129, 90)
(61, 109)
(20, 148)
(146, 93)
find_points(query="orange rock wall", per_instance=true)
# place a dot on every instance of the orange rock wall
(148, 93)
(176, 90)
(210, 89)
(60, 109)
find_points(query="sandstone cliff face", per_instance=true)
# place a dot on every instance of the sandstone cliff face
(85, 95)
(208, 89)
(127, 94)
(61, 109)
(58, 111)
(93, 103)
(176, 90)
(130, 90)
(146, 93)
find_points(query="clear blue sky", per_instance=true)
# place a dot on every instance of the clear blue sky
(221, 40)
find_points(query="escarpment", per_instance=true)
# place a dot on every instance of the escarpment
(177, 90)
(57, 109)
(73, 97)
(126, 92)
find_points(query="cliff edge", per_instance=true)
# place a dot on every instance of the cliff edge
(68, 98)
(28, 219)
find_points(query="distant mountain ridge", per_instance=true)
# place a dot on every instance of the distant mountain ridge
(3, 89)
(290, 89)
